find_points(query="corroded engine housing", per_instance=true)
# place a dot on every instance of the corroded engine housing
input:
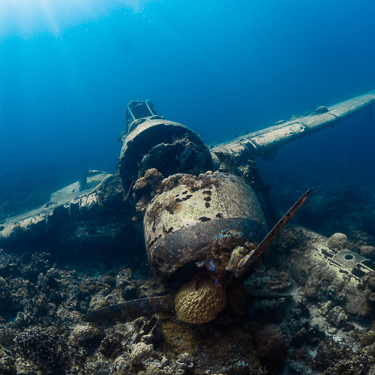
(166, 145)
(191, 211)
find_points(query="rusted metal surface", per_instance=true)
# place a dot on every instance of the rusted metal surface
(71, 202)
(131, 309)
(265, 142)
(274, 232)
(156, 133)
(188, 244)
(180, 222)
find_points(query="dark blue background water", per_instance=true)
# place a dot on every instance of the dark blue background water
(68, 70)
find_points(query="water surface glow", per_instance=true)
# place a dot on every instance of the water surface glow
(27, 17)
(69, 67)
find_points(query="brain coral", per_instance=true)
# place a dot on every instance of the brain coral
(202, 304)
(338, 241)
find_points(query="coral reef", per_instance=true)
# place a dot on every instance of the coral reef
(140, 352)
(303, 314)
(86, 336)
(41, 349)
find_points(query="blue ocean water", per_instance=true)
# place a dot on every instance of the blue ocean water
(69, 68)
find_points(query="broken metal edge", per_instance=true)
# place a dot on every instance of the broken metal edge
(266, 141)
(253, 256)
(131, 309)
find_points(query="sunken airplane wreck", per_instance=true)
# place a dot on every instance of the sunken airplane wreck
(206, 218)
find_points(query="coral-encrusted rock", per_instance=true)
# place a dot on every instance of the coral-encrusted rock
(151, 288)
(152, 176)
(367, 252)
(140, 184)
(183, 364)
(337, 316)
(272, 343)
(126, 283)
(359, 239)
(7, 363)
(336, 358)
(109, 280)
(111, 345)
(318, 282)
(185, 361)
(5, 297)
(370, 350)
(42, 347)
(140, 352)
(368, 338)
(338, 241)
(86, 336)
(368, 281)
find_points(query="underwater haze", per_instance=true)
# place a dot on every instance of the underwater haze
(159, 265)
(69, 68)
